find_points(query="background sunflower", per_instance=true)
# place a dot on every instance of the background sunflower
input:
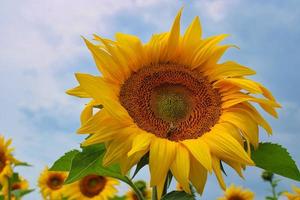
(237, 193)
(51, 184)
(92, 187)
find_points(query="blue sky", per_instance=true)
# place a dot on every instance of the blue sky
(41, 48)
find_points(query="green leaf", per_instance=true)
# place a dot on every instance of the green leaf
(143, 162)
(24, 164)
(20, 193)
(176, 195)
(89, 161)
(118, 198)
(64, 163)
(1, 197)
(276, 159)
(15, 178)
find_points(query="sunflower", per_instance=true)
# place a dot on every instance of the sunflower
(52, 184)
(6, 161)
(237, 193)
(92, 187)
(170, 97)
(293, 196)
(20, 185)
(142, 186)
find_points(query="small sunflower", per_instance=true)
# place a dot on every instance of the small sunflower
(52, 184)
(142, 186)
(170, 97)
(237, 193)
(293, 196)
(92, 187)
(6, 161)
(21, 185)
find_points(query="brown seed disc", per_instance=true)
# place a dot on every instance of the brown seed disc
(16, 186)
(236, 197)
(55, 181)
(171, 101)
(2, 161)
(92, 185)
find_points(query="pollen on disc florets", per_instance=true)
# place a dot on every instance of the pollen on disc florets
(171, 101)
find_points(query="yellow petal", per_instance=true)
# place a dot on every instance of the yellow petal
(141, 142)
(132, 49)
(173, 39)
(200, 151)
(223, 145)
(160, 187)
(228, 69)
(193, 34)
(118, 57)
(97, 87)
(255, 115)
(105, 63)
(215, 56)
(243, 121)
(162, 153)
(198, 175)
(78, 92)
(204, 50)
(118, 148)
(246, 84)
(127, 163)
(107, 94)
(181, 167)
(236, 166)
(96, 122)
(218, 172)
(87, 112)
(265, 104)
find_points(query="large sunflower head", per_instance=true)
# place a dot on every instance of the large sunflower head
(293, 196)
(52, 184)
(6, 160)
(92, 187)
(172, 98)
(237, 193)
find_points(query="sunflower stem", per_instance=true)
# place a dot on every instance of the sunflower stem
(136, 190)
(154, 193)
(9, 187)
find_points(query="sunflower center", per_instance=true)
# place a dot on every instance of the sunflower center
(171, 101)
(55, 181)
(92, 185)
(2, 161)
(236, 197)
(16, 186)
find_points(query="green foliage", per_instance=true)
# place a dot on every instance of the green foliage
(1, 197)
(176, 195)
(64, 163)
(15, 178)
(24, 164)
(89, 161)
(20, 193)
(274, 158)
(118, 198)
(143, 162)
